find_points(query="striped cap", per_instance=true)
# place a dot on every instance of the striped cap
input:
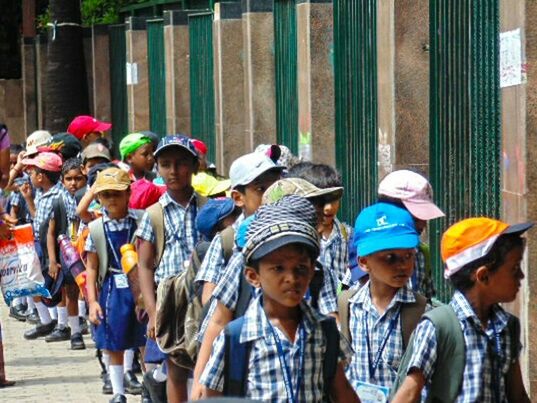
(473, 238)
(291, 219)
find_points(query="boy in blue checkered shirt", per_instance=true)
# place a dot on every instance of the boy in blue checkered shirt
(386, 242)
(468, 351)
(286, 340)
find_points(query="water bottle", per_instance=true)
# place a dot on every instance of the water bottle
(72, 261)
(129, 265)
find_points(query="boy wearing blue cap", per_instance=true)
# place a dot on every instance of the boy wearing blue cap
(281, 350)
(215, 216)
(379, 317)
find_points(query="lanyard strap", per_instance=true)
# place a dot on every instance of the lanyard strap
(292, 394)
(191, 209)
(373, 364)
(496, 363)
(111, 244)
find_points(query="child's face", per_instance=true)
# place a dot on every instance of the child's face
(251, 199)
(142, 159)
(176, 167)
(284, 275)
(392, 267)
(13, 160)
(35, 178)
(115, 202)
(73, 180)
(503, 284)
(330, 210)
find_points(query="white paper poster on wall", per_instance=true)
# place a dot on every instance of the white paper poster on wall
(132, 73)
(510, 58)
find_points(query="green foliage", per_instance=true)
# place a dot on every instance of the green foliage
(103, 11)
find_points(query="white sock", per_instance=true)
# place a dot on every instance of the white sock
(30, 302)
(116, 377)
(106, 360)
(82, 308)
(62, 316)
(159, 375)
(53, 313)
(149, 367)
(128, 358)
(44, 314)
(74, 324)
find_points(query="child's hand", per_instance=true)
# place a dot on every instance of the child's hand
(5, 230)
(95, 313)
(151, 325)
(26, 190)
(53, 269)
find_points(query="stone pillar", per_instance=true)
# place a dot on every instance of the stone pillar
(137, 75)
(229, 84)
(177, 56)
(100, 46)
(12, 108)
(88, 60)
(41, 77)
(259, 80)
(29, 92)
(316, 113)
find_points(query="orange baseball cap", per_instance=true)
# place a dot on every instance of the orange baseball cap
(471, 239)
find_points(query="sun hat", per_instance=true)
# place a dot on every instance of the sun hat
(291, 219)
(414, 191)
(207, 185)
(384, 226)
(46, 161)
(473, 238)
(36, 139)
(83, 125)
(176, 140)
(211, 213)
(298, 186)
(64, 143)
(96, 150)
(247, 168)
(112, 179)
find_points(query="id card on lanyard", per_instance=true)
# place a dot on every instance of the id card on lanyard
(292, 388)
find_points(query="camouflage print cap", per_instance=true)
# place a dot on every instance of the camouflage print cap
(300, 187)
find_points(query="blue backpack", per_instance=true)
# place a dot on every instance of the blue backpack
(237, 354)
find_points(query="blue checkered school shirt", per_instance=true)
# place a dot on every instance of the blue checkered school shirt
(179, 232)
(335, 252)
(477, 383)
(361, 309)
(214, 262)
(265, 375)
(43, 206)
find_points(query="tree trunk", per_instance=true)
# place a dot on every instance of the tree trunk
(66, 87)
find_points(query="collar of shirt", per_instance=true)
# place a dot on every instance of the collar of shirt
(54, 190)
(466, 314)
(335, 234)
(256, 324)
(363, 298)
(130, 214)
(238, 222)
(166, 200)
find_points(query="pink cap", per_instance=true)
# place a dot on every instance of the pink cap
(83, 125)
(47, 161)
(414, 191)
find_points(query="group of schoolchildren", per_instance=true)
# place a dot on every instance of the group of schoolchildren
(297, 306)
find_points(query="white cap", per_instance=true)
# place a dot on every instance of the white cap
(248, 167)
(36, 139)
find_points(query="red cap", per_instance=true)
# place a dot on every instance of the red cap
(144, 194)
(200, 146)
(83, 125)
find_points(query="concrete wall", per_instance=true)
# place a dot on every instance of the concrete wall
(12, 109)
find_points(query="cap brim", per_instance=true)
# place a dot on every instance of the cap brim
(273, 244)
(167, 146)
(368, 247)
(518, 228)
(29, 162)
(256, 174)
(91, 156)
(423, 210)
(103, 127)
(220, 187)
(99, 189)
(336, 192)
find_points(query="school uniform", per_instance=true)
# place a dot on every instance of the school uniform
(119, 329)
(484, 370)
(266, 372)
(377, 340)
(335, 251)
(43, 210)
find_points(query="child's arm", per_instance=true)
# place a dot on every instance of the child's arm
(92, 267)
(146, 262)
(341, 390)
(212, 393)
(515, 386)
(82, 208)
(26, 192)
(53, 266)
(410, 390)
(207, 293)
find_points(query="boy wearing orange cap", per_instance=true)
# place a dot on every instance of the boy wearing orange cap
(468, 351)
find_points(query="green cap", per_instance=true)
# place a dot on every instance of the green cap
(131, 143)
(300, 187)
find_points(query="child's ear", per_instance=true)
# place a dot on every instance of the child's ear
(238, 198)
(362, 262)
(252, 276)
(196, 166)
(482, 275)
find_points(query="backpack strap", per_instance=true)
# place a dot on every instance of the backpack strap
(343, 308)
(236, 359)
(410, 316)
(227, 237)
(316, 284)
(245, 295)
(331, 335)
(513, 327)
(96, 230)
(156, 217)
(60, 217)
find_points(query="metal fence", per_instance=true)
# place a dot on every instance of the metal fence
(157, 76)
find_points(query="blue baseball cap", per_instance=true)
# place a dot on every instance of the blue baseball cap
(176, 140)
(384, 226)
(211, 213)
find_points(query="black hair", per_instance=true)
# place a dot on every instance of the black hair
(240, 188)
(71, 163)
(92, 174)
(16, 149)
(464, 279)
(53, 177)
(312, 253)
(321, 175)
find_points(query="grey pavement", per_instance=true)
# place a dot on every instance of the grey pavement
(48, 372)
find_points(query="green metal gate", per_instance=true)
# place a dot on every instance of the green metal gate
(202, 79)
(157, 76)
(285, 57)
(464, 116)
(118, 83)
(355, 75)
